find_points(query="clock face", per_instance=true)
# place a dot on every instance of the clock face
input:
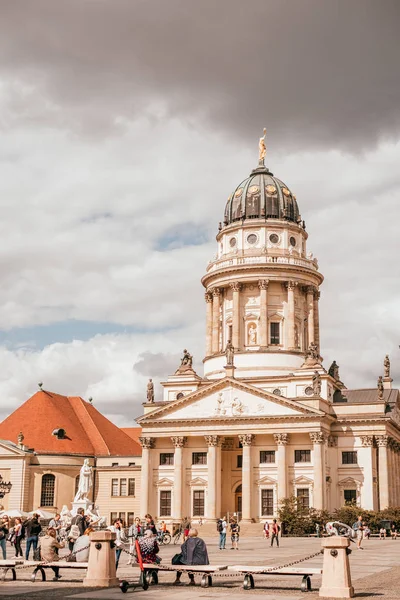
(274, 238)
(292, 241)
(271, 190)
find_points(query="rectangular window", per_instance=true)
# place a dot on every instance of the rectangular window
(198, 503)
(113, 517)
(303, 497)
(114, 487)
(267, 456)
(302, 456)
(239, 461)
(165, 503)
(349, 458)
(167, 458)
(350, 496)
(131, 487)
(267, 502)
(199, 458)
(122, 487)
(131, 519)
(275, 333)
(131, 464)
(114, 464)
(121, 517)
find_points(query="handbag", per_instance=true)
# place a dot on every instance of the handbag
(177, 559)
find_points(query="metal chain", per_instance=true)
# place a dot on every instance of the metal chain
(230, 575)
(46, 562)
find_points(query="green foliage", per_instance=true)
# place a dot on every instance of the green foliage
(299, 521)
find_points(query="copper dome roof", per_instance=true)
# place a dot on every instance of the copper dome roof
(263, 196)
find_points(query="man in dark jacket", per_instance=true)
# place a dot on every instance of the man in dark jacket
(32, 529)
(80, 521)
(194, 552)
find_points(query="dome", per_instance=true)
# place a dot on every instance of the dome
(261, 196)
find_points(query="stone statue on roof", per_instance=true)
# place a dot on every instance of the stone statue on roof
(316, 383)
(85, 482)
(262, 148)
(187, 359)
(334, 370)
(386, 365)
(229, 353)
(380, 387)
(150, 391)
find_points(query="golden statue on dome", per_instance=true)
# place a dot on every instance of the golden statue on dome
(262, 149)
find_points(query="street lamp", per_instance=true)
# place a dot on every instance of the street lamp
(5, 488)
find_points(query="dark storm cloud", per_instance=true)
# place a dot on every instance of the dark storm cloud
(316, 73)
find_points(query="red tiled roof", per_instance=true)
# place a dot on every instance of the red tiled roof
(134, 433)
(88, 432)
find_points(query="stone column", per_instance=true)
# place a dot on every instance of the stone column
(246, 440)
(317, 295)
(382, 441)
(178, 443)
(236, 287)
(212, 463)
(263, 285)
(318, 440)
(366, 462)
(397, 471)
(291, 321)
(215, 321)
(281, 439)
(146, 475)
(310, 308)
(209, 322)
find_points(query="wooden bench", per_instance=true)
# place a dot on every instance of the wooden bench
(249, 572)
(40, 567)
(9, 565)
(150, 573)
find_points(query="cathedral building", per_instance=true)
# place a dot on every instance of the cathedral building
(267, 420)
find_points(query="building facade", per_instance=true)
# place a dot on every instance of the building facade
(267, 420)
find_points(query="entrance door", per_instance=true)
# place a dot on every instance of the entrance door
(238, 500)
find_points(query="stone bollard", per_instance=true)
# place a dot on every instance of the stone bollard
(101, 566)
(336, 576)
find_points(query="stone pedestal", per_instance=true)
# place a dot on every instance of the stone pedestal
(101, 567)
(80, 504)
(336, 576)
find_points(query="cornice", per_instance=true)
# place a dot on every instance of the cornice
(238, 419)
(262, 268)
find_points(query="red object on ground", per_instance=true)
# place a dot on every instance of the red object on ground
(139, 555)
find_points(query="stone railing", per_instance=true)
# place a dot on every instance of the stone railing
(262, 260)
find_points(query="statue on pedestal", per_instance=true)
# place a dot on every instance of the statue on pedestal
(85, 482)
(334, 371)
(386, 366)
(150, 391)
(229, 353)
(380, 387)
(262, 149)
(316, 383)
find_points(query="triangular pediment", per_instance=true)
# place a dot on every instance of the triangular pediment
(266, 481)
(165, 481)
(303, 480)
(9, 449)
(228, 399)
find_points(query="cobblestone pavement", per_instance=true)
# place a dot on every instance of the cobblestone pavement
(374, 573)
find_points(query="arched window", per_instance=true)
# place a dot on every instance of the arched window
(47, 495)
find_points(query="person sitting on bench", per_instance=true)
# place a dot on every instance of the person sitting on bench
(48, 547)
(193, 552)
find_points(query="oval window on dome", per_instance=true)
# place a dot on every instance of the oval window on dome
(254, 189)
(277, 392)
(251, 238)
(309, 391)
(232, 242)
(286, 191)
(274, 238)
(238, 192)
(292, 241)
(271, 190)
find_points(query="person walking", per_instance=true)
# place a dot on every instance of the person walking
(193, 552)
(359, 529)
(275, 533)
(78, 527)
(266, 530)
(49, 550)
(221, 527)
(235, 531)
(134, 533)
(4, 529)
(32, 529)
(119, 532)
(18, 536)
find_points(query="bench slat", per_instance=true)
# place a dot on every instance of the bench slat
(261, 570)
(199, 568)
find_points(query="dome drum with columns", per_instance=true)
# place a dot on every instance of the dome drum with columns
(306, 434)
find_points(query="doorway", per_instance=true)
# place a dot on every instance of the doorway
(238, 499)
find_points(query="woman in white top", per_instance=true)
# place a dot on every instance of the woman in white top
(82, 553)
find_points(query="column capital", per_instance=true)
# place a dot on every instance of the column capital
(317, 294)
(208, 297)
(147, 442)
(282, 439)
(382, 440)
(179, 441)
(291, 285)
(236, 286)
(317, 437)
(310, 289)
(263, 284)
(246, 439)
(216, 291)
(332, 441)
(367, 441)
(211, 440)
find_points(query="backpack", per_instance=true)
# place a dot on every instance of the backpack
(279, 528)
(220, 527)
(74, 532)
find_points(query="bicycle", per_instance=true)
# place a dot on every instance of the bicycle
(178, 535)
(163, 537)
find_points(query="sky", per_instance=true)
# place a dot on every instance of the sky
(124, 127)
